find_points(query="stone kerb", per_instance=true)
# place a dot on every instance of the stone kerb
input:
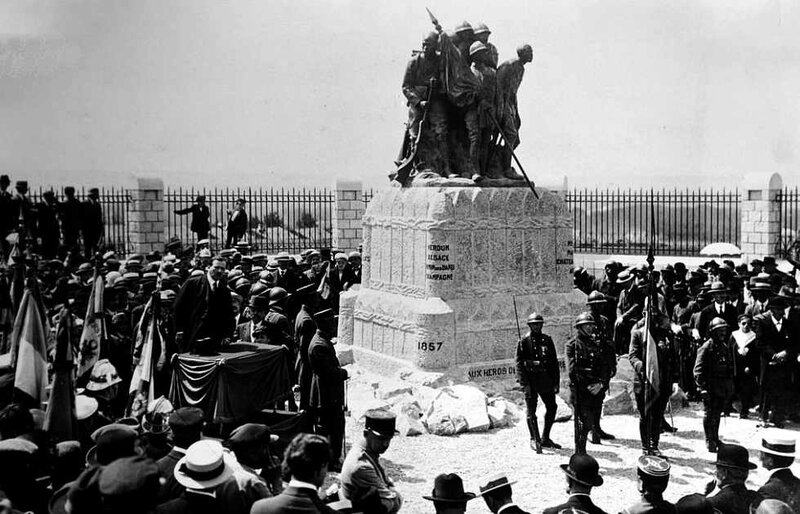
(760, 218)
(146, 215)
(348, 211)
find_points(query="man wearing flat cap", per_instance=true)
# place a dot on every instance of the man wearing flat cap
(730, 494)
(778, 451)
(92, 223)
(201, 217)
(251, 445)
(583, 473)
(653, 474)
(496, 492)
(539, 375)
(364, 481)
(448, 495)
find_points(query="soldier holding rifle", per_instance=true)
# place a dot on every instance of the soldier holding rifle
(538, 374)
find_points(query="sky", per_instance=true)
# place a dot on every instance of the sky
(632, 93)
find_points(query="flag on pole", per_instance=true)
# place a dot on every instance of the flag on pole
(60, 420)
(93, 327)
(651, 370)
(148, 339)
(29, 348)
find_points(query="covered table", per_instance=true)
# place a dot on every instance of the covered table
(234, 384)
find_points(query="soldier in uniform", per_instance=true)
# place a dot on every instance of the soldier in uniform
(364, 481)
(327, 399)
(279, 332)
(714, 374)
(651, 409)
(588, 376)
(481, 33)
(653, 474)
(538, 374)
(478, 116)
(597, 306)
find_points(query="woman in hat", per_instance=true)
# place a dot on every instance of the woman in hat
(747, 364)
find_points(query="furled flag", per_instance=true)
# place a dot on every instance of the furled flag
(60, 421)
(93, 327)
(29, 348)
(651, 371)
(149, 339)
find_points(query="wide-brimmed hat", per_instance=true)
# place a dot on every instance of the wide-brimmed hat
(104, 375)
(584, 470)
(493, 482)
(381, 422)
(205, 465)
(733, 456)
(448, 488)
(780, 443)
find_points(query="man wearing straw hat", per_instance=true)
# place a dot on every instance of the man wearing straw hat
(496, 492)
(448, 495)
(778, 451)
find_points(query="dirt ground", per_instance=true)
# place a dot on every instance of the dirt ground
(413, 462)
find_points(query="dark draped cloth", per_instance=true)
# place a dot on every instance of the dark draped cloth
(239, 381)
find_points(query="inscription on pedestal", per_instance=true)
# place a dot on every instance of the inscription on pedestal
(438, 265)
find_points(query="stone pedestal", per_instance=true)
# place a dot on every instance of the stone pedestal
(443, 267)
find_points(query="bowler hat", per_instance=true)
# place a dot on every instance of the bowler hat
(584, 470)
(448, 488)
(494, 482)
(733, 456)
(381, 422)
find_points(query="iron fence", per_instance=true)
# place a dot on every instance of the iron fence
(789, 215)
(115, 202)
(617, 221)
(285, 219)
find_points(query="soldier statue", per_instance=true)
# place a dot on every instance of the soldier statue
(481, 33)
(509, 78)
(714, 375)
(589, 374)
(538, 374)
(478, 117)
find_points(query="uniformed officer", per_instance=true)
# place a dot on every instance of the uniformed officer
(588, 377)
(597, 302)
(651, 406)
(714, 374)
(364, 481)
(653, 473)
(538, 374)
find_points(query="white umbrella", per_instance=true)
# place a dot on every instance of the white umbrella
(721, 250)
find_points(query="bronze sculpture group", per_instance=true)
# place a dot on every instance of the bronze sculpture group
(463, 117)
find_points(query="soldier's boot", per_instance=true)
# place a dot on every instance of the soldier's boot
(646, 446)
(548, 425)
(708, 429)
(533, 429)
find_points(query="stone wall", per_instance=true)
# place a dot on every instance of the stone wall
(761, 227)
(146, 215)
(349, 209)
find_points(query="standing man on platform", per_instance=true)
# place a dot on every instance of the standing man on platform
(327, 385)
(237, 224)
(588, 377)
(713, 373)
(71, 213)
(364, 481)
(651, 399)
(538, 374)
(92, 223)
(203, 311)
(201, 217)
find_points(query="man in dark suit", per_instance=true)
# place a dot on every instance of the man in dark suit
(253, 330)
(237, 224)
(653, 473)
(583, 473)
(203, 311)
(733, 466)
(92, 222)
(307, 459)
(719, 308)
(778, 451)
(71, 213)
(327, 384)
(354, 259)
(201, 217)
(776, 341)
(341, 278)
(304, 329)
(47, 225)
(186, 425)
(8, 222)
(496, 492)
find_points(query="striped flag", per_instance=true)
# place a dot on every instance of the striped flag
(29, 348)
(651, 370)
(60, 420)
(148, 339)
(93, 327)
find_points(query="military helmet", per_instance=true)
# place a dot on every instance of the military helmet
(717, 323)
(584, 319)
(476, 47)
(463, 27)
(535, 317)
(277, 295)
(596, 297)
(481, 28)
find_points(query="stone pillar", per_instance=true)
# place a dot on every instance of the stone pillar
(347, 231)
(146, 215)
(761, 228)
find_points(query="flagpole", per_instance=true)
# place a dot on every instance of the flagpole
(648, 325)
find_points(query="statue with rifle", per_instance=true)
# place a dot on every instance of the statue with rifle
(539, 375)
